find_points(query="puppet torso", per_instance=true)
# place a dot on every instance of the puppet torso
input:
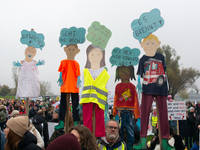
(152, 69)
(70, 71)
(28, 81)
(126, 94)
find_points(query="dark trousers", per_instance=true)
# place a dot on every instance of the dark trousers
(147, 101)
(75, 102)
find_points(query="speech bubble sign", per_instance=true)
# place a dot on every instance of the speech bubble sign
(146, 24)
(31, 38)
(125, 56)
(98, 35)
(72, 35)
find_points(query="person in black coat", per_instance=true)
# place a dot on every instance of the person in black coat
(33, 111)
(18, 136)
(40, 123)
(191, 122)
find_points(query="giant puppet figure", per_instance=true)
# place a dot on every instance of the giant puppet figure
(69, 69)
(152, 69)
(125, 99)
(94, 92)
(28, 81)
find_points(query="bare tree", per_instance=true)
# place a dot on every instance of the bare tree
(15, 75)
(45, 87)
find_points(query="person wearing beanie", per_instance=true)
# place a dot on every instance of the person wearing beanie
(65, 142)
(17, 135)
(40, 123)
(55, 116)
(14, 113)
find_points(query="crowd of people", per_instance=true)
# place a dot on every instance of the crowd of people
(21, 132)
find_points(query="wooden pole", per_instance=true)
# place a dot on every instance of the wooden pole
(67, 113)
(93, 120)
(177, 127)
(159, 131)
(27, 106)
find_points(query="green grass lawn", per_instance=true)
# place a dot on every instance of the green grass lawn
(8, 96)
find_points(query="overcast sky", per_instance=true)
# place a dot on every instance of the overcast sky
(181, 31)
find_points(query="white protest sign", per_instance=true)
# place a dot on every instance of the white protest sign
(176, 110)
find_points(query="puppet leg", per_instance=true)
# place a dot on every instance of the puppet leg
(99, 126)
(62, 111)
(164, 124)
(87, 115)
(145, 111)
(75, 100)
(128, 123)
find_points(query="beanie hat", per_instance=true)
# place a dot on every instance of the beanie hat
(65, 142)
(14, 112)
(19, 125)
(57, 111)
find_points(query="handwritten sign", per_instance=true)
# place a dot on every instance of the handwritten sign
(98, 35)
(125, 56)
(176, 110)
(31, 38)
(146, 24)
(72, 36)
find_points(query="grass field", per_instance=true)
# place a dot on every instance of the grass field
(8, 96)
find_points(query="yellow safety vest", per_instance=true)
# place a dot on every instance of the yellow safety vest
(154, 121)
(103, 147)
(95, 90)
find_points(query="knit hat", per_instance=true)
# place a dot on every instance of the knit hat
(57, 111)
(14, 112)
(18, 125)
(65, 142)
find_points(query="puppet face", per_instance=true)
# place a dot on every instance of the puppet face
(150, 46)
(95, 56)
(124, 73)
(71, 51)
(30, 52)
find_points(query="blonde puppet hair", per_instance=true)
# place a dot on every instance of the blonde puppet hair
(150, 37)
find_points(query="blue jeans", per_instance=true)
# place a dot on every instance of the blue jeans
(127, 123)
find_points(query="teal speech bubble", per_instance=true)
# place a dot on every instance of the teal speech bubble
(125, 56)
(146, 24)
(72, 36)
(98, 35)
(31, 38)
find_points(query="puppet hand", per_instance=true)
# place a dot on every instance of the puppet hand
(16, 64)
(79, 82)
(40, 63)
(80, 107)
(60, 81)
(138, 123)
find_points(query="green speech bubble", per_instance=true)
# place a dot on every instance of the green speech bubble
(98, 35)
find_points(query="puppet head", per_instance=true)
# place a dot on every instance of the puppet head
(95, 57)
(150, 45)
(71, 51)
(125, 73)
(30, 52)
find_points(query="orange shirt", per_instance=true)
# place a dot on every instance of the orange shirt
(70, 71)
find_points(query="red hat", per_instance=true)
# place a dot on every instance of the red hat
(65, 142)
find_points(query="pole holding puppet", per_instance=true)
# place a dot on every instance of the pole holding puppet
(69, 79)
(152, 69)
(28, 80)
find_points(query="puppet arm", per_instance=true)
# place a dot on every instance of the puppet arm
(78, 84)
(114, 107)
(16, 63)
(167, 81)
(60, 80)
(137, 112)
(40, 63)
